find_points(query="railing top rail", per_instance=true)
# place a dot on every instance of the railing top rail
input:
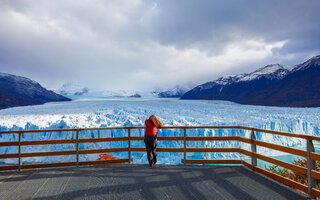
(112, 128)
(308, 137)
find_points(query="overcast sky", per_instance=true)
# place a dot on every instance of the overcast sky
(142, 45)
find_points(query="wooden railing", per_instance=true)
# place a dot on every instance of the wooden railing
(309, 154)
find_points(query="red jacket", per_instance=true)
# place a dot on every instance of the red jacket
(150, 129)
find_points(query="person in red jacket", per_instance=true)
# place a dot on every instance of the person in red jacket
(150, 138)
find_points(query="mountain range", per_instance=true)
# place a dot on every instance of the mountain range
(272, 85)
(21, 91)
(75, 91)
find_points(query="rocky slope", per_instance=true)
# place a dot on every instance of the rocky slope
(21, 91)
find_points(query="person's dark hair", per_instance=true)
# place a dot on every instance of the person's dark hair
(154, 121)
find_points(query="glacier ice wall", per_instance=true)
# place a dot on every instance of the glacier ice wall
(89, 113)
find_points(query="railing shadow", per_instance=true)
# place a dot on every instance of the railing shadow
(172, 182)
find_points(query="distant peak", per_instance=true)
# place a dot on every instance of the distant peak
(273, 67)
(312, 62)
(315, 58)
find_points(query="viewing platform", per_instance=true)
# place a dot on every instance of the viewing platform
(234, 179)
(143, 182)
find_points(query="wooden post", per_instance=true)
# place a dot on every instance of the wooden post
(239, 143)
(19, 152)
(311, 166)
(184, 146)
(253, 150)
(77, 147)
(129, 145)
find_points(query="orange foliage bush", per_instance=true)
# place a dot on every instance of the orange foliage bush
(105, 156)
(296, 176)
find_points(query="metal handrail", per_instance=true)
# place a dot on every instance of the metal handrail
(309, 154)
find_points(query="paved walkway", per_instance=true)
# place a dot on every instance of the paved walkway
(142, 182)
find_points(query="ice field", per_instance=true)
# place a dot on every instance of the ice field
(89, 113)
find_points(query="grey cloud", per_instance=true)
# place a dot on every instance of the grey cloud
(123, 44)
(184, 23)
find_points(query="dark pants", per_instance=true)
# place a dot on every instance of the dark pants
(151, 144)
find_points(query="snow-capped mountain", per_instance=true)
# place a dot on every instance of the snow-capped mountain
(69, 89)
(270, 71)
(174, 92)
(21, 91)
(313, 62)
(255, 88)
(275, 71)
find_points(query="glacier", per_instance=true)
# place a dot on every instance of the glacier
(113, 112)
